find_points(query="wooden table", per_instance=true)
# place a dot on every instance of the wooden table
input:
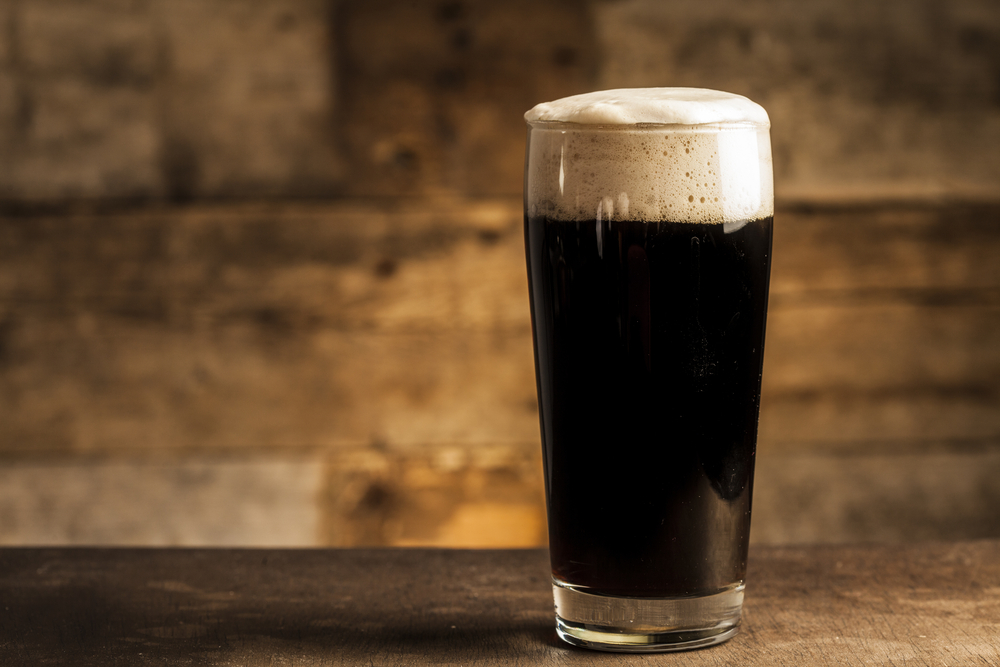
(925, 604)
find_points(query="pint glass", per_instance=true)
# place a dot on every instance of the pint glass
(648, 218)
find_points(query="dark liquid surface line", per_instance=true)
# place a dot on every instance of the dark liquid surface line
(649, 345)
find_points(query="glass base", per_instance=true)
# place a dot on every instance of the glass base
(646, 625)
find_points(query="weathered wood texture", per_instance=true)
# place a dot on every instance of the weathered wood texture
(386, 352)
(180, 99)
(883, 325)
(379, 349)
(195, 500)
(165, 99)
(930, 604)
(867, 100)
(433, 99)
(345, 324)
(327, 325)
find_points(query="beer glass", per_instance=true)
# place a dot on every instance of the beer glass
(648, 217)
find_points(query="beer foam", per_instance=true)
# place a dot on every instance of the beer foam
(665, 106)
(679, 154)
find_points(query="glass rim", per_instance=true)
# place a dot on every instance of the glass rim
(625, 127)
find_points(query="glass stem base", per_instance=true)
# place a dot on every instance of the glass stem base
(646, 625)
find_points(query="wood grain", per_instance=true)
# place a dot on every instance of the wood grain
(928, 604)
(344, 323)
(374, 339)
(178, 100)
(354, 332)
(165, 100)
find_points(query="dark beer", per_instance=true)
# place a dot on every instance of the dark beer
(649, 342)
(648, 217)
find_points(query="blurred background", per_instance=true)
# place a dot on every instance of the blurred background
(262, 273)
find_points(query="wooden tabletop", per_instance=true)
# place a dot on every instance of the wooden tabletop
(925, 604)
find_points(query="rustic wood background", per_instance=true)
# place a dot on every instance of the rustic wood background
(261, 266)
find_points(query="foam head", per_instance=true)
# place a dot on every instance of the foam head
(679, 154)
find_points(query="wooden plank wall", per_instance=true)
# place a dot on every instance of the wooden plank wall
(261, 266)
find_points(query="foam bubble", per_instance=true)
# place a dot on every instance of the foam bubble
(681, 154)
